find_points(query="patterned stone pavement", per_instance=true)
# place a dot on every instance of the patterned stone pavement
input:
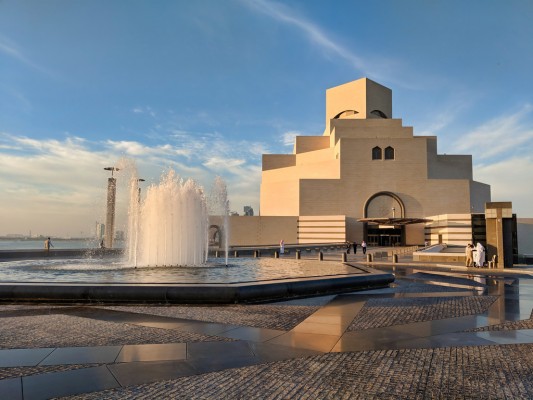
(444, 373)
(428, 336)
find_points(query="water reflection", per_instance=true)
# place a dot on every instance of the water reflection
(116, 271)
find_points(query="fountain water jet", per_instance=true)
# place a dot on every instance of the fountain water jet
(219, 206)
(168, 228)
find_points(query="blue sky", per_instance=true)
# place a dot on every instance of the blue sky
(206, 87)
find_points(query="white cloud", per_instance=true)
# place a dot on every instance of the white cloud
(510, 180)
(57, 187)
(288, 138)
(314, 33)
(504, 134)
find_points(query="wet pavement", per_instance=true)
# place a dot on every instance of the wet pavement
(435, 333)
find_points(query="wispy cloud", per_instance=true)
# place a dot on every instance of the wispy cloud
(510, 181)
(12, 50)
(288, 138)
(504, 134)
(313, 32)
(144, 110)
(47, 180)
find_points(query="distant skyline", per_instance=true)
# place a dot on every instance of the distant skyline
(207, 87)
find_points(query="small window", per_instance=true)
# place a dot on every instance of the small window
(376, 153)
(389, 153)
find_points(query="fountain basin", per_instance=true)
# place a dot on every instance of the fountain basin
(243, 280)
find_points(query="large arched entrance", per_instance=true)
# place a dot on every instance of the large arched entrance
(382, 211)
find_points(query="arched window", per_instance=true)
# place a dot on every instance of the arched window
(378, 113)
(376, 153)
(389, 153)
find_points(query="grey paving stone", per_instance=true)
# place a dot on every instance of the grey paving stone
(496, 372)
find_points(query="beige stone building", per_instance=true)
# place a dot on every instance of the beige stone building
(366, 177)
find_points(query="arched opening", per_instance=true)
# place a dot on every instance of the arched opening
(345, 114)
(389, 153)
(376, 153)
(378, 113)
(384, 205)
(215, 236)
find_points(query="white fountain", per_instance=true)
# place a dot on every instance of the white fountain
(218, 205)
(170, 226)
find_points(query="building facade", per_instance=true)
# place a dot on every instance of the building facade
(367, 177)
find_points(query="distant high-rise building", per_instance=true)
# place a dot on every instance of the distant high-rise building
(248, 211)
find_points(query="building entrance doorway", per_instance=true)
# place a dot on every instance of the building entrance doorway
(384, 236)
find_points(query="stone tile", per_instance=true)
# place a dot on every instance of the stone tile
(268, 352)
(207, 328)
(23, 357)
(252, 334)
(82, 355)
(324, 329)
(152, 352)
(11, 389)
(505, 337)
(135, 373)
(311, 341)
(218, 350)
(205, 365)
(46, 386)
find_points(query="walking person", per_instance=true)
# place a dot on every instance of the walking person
(363, 246)
(354, 247)
(469, 255)
(348, 246)
(47, 245)
(281, 246)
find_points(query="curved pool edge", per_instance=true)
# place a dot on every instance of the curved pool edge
(249, 292)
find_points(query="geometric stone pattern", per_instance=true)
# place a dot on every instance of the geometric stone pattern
(378, 313)
(497, 372)
(15, 372)
(269, 316)
(70, 331)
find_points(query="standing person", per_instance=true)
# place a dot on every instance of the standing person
(348, 245)
(354, 247)
(469, 252)
(281, 246)
(48, 244)
(363, 245)
(480, 255)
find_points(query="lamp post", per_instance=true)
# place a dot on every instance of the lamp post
(110, 213)
(393, 211)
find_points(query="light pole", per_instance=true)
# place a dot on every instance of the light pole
(393, 211)
(110, 213)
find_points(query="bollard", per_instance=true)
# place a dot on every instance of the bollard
(236, 254)
(298, 254)
(217, 254)
(369, 258)
(320, 256)
(344, 257)
(395, 258)
(276, 254)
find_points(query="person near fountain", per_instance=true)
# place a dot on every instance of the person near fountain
(363, 246)
(48, 244)
(281, 246)
(469, 252)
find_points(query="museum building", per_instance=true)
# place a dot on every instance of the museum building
(367, 177)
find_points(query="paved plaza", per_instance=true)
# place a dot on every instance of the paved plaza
(437, 333)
